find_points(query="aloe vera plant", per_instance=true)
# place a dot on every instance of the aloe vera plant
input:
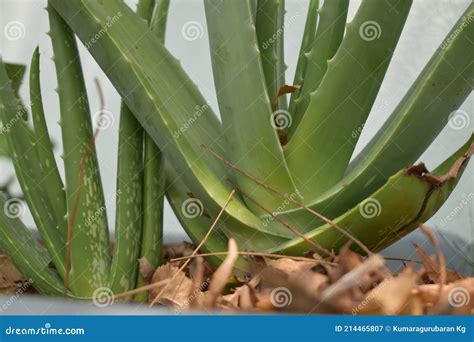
(296, 194)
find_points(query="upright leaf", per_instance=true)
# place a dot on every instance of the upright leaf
(154, 175)
(332, 22)
(247, 118)
(31, 259)
(25, 160)
(47, 163)
(270, 34)
(320, 148)
(90, 259)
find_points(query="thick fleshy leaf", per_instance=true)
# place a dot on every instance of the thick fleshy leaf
(408, 199)
(332, 22)
(426, 108)
(306, 43)
(25, 160)
(87, 219)
(320, 149)
(50, 173)
(168, 105)
(247, 119)
(19, 243)
(15, 73)
(269, 24)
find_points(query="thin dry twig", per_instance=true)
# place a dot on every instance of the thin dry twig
(198, 246)
(267, 255)
(312, 211)
(293, 230)
(351, 278)
(439, 255)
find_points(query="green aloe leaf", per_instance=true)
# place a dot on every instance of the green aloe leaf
(129, 194)
(15, 73)
(408, 199)
(129, 204)
(154, 176)
(319, 150)
(169, 107)
(90, 259)
(197, 222)
(4, 151)
(269, 24)
(25, 160)
(247, 119)
(51, 178)
(306, 43)
(332, 22)
(436, 94)
(31, 259)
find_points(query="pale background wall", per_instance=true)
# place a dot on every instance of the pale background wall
(427, 25)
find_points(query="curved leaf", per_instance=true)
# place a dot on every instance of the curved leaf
(408, 199)
(247, 120)
(320, 149)
(90, 258)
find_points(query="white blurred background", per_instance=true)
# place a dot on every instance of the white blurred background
(426, 27)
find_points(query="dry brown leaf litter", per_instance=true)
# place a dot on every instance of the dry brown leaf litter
(347, 284)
